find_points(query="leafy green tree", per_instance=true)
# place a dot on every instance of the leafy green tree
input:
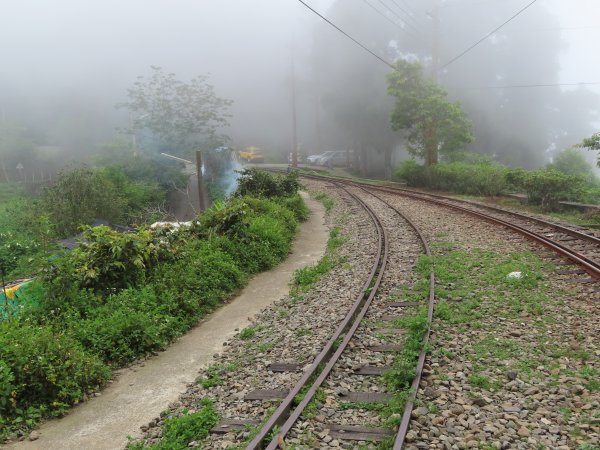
(184, 116)
(78, 197)
(592, 143)
(433, 124)
(572, 162)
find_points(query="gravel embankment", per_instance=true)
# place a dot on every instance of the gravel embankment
(535, 385)
(292, 330)
(376, 329)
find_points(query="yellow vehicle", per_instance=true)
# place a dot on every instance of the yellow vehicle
(251, 155)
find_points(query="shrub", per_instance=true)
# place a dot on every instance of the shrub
(262, 184)
(124, 328)
(202, 277)
(546, 187)
(106, 260)
(47, 369)
(470, 179)
(78, 197)
(412, 172)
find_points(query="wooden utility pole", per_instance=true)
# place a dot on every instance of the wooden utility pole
(294, 130)
(202, 194)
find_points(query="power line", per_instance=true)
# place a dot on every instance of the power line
(388, 19)
(517, 86)
(487, 36)
(387, 63)
(398, 16)
(409, 15)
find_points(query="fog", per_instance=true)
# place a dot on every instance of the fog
(67, 63)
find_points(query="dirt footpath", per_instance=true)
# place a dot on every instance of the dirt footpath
(140, 393)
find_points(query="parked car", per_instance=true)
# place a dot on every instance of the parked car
(312, 159)
(336, 159)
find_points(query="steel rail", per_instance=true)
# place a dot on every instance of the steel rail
(308, 396)
(570, 231)
(406, 415)
(589, 265)
(278, 418)
(561, 228)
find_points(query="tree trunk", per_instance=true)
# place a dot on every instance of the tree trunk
(387, 163)
(363, 160)
(431, 150)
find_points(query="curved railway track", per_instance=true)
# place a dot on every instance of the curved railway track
(286, 415)
(583, 248)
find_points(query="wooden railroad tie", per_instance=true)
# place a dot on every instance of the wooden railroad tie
(356, 433)
(367, 397)
(284, 367)
(372, 370)
(228, 425)
(385, 348)
(266, 394)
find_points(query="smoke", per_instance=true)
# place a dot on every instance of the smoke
(230, 176)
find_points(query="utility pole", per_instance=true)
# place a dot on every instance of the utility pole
(294, 130)
(202, 194)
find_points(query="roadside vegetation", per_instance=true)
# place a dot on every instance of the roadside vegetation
(117, 297)
(568, 178)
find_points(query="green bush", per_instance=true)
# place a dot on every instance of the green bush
(546, 187)
(106, 260)
(126, 327)
(413, 173)
(48, 370)
(119, 296)
(203, 276)
(259, 183)
(459, 177)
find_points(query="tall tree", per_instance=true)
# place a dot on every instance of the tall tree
(434, 125)
(592, 143)
(184, 116)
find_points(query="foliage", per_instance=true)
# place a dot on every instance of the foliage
(592, 143)
(49, 371)
(78, 197)
(117, 297)
(432, 123)
(325, 199)
(259, 183)
(183, 115)
(572, 162)
(106, 260)
(180, 431)
(413, 173)
(470, 179)
(546, 187)
(458, 177)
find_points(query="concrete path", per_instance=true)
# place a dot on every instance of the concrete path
(139, 394)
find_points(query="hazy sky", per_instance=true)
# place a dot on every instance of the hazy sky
(96, 48)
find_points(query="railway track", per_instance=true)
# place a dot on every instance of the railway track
(579, 245)
(348, 343)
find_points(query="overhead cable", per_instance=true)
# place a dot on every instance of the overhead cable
(517, 86)
(388, 19)
(487, 35)
(387, 63)
(399, 17)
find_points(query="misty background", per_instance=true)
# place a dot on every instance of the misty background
(65, 64)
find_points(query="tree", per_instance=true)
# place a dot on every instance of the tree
(434, 125)
(184, 116)
(592, 143)
(572, 162)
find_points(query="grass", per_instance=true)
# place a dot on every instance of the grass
(304, 279)
(325, 199)
(214, 373)
(179, 431)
